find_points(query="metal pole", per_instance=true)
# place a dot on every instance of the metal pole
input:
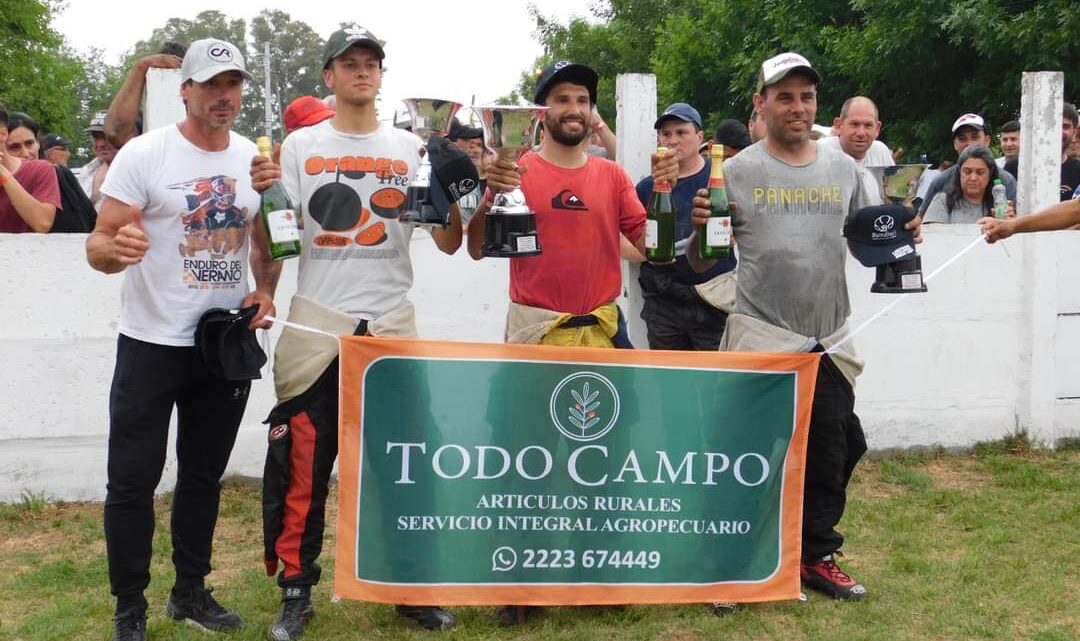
(266, 91)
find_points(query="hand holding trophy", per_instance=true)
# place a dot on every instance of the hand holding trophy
(430, 117)
(510, 229)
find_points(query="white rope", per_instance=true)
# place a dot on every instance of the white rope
(303, 328)
(901, 297)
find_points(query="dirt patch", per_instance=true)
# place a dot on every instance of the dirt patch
(957, 474)
(867, 483)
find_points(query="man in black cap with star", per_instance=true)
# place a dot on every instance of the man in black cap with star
(348, 177)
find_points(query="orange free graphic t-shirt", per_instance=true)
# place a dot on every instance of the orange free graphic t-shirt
(579, 216)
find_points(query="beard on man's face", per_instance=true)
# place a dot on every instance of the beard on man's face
(559, 134)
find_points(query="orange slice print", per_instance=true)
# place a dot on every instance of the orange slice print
(374, 235)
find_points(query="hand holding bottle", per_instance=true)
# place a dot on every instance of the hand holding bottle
(665, 167)
(265, 171)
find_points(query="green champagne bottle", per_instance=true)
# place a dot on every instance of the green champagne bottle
(278, 215)
(660, 221)
(715, 242)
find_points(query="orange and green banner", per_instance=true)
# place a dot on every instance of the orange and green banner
(483, 474)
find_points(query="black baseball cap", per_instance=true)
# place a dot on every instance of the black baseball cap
(565, 71)
(53, 140)
(459, 131)
(227, 345)
(454, 173)
(348, 36)
(876, 235)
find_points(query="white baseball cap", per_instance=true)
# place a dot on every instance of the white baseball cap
(778, 67)
(969, 120)
(208, 57)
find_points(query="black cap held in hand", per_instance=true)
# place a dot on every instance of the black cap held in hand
(228, 347)
(876, 235)
(453, 173)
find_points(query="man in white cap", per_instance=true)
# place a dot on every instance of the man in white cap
(92, 176)
(792, 196)
(969, 129)
(177, 217)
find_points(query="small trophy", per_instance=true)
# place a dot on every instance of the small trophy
(510, 230)
(430, 117)
(898, 266)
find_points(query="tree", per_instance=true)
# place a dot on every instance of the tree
(208, 24)
(295, 67)
(38, 75)
(295, 58)
(924, 62)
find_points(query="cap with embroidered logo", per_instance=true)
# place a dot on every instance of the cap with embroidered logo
(348, 36)
(876, 235)
(969, 120)
(777, 68)
(208, 57)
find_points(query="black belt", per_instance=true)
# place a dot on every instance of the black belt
(361, 329)
(587, 320)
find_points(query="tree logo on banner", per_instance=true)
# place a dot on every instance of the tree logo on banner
(584, 406)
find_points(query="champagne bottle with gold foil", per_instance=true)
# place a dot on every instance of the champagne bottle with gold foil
(660, 221)
(278, 215)
(715, 242)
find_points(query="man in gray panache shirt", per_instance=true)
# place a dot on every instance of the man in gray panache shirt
(792, 197)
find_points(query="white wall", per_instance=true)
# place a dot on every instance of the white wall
(943, 368)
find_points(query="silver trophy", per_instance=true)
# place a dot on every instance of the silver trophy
(899, 185)
(510, 229)
(430, 117)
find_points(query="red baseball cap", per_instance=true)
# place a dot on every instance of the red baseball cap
(306, 111)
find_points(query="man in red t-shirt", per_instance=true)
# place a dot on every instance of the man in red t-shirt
(566, 295)
(29, 191)
(582, 204)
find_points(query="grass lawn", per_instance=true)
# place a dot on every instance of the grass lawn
(951, 547)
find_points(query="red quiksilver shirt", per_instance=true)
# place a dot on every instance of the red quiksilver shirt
(579, 216)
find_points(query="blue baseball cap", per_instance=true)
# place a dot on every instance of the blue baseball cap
(680, 111)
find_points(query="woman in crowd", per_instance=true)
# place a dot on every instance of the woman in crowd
(76, 213)
(969, 197)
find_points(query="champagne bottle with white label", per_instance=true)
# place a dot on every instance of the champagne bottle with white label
(715, 242)
(660, 221)
(278, 215)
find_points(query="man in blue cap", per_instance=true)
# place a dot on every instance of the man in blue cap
(684, 309)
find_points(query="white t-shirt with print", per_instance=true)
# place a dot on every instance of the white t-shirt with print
(350, 189)
(196, 209)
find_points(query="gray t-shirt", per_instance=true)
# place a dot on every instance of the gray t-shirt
(963, 212)
(789, 229)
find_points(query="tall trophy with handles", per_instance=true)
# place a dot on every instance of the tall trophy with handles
(510, 230)
(430, 117)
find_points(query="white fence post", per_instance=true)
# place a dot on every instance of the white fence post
(1038, 183)
(163, 105)
(635, 104)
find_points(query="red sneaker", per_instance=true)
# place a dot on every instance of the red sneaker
(825, 576)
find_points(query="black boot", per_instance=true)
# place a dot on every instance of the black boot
(296, 611)
(198, 607)
(130, 625)
(429, 617)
